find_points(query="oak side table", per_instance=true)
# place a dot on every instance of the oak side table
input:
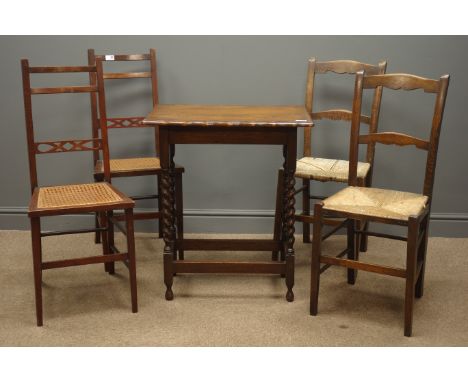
(228, 124)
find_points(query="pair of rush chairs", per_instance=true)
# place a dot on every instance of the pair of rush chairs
(358, 204)
(100, 197)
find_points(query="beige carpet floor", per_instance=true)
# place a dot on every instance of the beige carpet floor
(83, 306)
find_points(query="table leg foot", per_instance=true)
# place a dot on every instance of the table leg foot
(169, 294)
(290, 295)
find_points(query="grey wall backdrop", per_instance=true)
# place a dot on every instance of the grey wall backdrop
(232, 188)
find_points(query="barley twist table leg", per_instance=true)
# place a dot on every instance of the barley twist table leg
(168, 206)
(288, 225)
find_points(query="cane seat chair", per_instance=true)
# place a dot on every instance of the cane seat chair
(141, 166)
(355, 203)
(100, 198)
(312, 168)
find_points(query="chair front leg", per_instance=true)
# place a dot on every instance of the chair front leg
(160, 222)
(110, 240)
(278, 228)
(422, 250)
(411, 261)
(37, 266)
(97, 234)
(179, 211)
(364, 226)
(353, 250)
(131, 258)
(315, 263)
(306, 210)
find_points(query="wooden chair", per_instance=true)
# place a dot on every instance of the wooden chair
(99, 198)
(356, 203)
(131, 167)
(311, 168)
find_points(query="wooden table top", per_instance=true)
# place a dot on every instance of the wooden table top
(229, 115)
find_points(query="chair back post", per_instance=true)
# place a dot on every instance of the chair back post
(435, 134)
(309, 100)
(355, 129)
(94, 104)
(155, 94)
(375, 113)
(29, 123)
(103, 119)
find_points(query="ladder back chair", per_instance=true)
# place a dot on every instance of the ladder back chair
(132, 167)
(100, 198)
(356, 203)
(311, 168)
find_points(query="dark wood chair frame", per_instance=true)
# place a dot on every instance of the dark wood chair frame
(110, 255)
(348, 67)
(134, 122)
(418, 226)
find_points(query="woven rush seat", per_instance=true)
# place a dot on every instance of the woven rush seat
(130, 164)
(76, 195)
(323, 169)
(376, 202)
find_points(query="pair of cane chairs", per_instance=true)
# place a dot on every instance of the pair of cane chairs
(100, 197)
(359, 203)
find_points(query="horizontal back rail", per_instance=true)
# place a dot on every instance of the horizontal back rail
(65, 89)
(390, 138)
(338, 115)
(401, 81)
(48, 147)
(345, 66)
(62, 69)
(120, 76)
(123, 57)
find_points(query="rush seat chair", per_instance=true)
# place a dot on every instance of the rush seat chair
(355, 203)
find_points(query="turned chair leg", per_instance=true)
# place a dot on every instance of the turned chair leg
(306, 210)
(131, 258)
(315, 263)
(353, 252)
(411, 261)
(179, 211)
(277, 229)
(37, 266)
(110, 241)
(422, 250)
(97, 234)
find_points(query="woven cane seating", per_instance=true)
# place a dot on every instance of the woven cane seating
(129, 165)
(376, 202)
(76, 195)
(325, 170)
